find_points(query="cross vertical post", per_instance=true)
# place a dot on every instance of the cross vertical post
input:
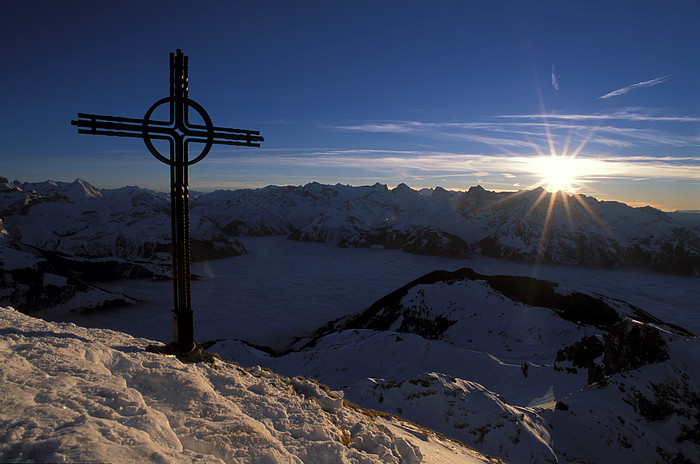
(179, 131)
(183, 330)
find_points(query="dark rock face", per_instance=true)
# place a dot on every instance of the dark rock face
(625, 346)
(630, 345)
(49, 279)
(576, 307)
(97, 270)
(31, 294)
(582, 355)
(317, 234)
(238, 228)
(204, 250)
(417, 240)
(126, 247)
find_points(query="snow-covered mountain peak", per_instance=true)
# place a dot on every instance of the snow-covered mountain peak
(75, 191)
(7, 186)
(85, 188)
(500, 362)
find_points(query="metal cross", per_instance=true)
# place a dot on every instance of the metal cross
(179, 131)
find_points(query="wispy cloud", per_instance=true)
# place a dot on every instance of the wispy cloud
(385, 127)
(538, 130)
(472, 132)
(648, 83)
(627, 114)
(555, 79)
(452, 170)
(444, 164)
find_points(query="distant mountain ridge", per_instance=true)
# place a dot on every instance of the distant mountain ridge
(131, 225)
(516, 226)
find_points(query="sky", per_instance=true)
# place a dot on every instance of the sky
(427, 93)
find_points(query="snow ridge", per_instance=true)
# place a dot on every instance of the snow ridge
(507, 365)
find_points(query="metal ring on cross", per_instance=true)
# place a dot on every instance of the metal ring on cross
(198, 108)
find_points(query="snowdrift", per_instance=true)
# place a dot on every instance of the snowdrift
(72, 394)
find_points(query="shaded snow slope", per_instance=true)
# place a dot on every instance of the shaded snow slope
(76, 394)
(500, 362)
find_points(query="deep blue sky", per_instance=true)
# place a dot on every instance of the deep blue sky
(449, 93)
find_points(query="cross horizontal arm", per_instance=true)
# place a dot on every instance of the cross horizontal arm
(243, 143)
(125, 127)
(246, 138)
(225, 129)
(114, 133)
(99, 117)
(130, 127)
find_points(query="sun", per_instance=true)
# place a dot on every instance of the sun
(557, 173)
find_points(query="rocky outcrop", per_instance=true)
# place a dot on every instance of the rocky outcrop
(37, 280)
(626, 345)
(417, 240)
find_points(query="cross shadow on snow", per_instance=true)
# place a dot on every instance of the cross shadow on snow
(41, 333)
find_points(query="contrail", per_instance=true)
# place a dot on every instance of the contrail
(649, 83)
(555, 80)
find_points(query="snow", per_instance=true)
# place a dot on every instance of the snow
(469, 410)
(55, 280)
(75, 394)
(132, 223)
(489, 378)
(16, 259)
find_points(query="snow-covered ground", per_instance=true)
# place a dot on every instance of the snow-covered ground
(71, 394)
(283, 289)
(567, 368)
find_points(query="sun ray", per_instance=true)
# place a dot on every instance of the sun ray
(567, 208)
(594, 215)
(585, 141)
(534, 205)
(545, 227)
(561, 171)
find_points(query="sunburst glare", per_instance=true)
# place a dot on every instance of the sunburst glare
(562, 174)
(557, 172)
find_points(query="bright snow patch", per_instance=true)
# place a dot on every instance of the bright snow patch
(76, 394)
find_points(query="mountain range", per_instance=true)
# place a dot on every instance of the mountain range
(84, 234)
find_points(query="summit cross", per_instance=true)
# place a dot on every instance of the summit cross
(179, 131)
